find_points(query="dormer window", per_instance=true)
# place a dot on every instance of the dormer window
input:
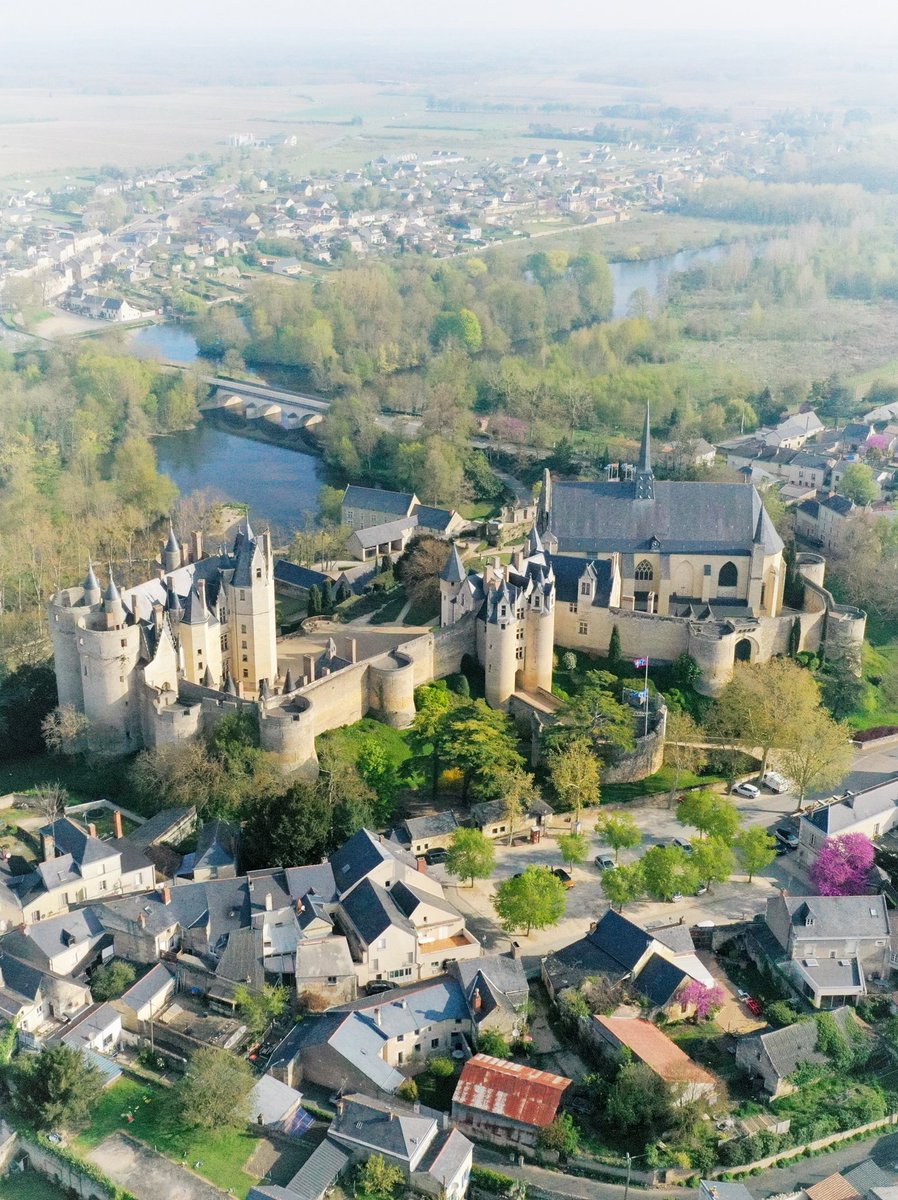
(585, 588)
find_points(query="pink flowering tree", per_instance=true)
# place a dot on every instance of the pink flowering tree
(843, 865)
(707, 1000)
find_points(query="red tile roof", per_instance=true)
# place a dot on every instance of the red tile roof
(506, 1089)
(655, 1049)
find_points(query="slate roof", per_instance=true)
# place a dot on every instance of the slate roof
(569, 572)
(835, 916)
(158, 826)
(389, 1127)
(787, 1048)
(449, 1159)
(41, 941)
(841, 976)
(322, 959)
(72, 838)
(867, 1175)
(491, 811)
(373, 535)
(838, 504)
(371, 910)
(360, 856)
(686, 518)
(659, 980)
(318, 1173)
(378, 500)
(272, 1100)
(841, 815)
(436, 825)
(148, 987)
(296, 576)
(216, 845)
(435, 519)
(509, 1090)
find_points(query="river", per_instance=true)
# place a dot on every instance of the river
(282, 486)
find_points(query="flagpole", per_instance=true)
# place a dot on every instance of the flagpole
(646, 730)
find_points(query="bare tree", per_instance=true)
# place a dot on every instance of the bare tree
(64, 729)
(51, 799)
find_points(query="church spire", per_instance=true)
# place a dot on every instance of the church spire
(645, 480)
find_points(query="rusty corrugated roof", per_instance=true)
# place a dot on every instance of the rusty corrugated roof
(506, 1089)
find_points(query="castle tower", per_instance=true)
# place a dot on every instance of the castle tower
(452, 577)
(501, 646)
(171, 552)
(91, 586)
(200, 639)
(109, 650)
(252, 622)
(539, 631)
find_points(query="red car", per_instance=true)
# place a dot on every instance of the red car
(754, 1006)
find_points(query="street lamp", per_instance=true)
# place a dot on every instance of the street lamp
(631, 1158)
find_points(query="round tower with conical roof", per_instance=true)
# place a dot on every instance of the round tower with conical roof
(503, 650)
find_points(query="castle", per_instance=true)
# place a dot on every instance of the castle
(679, 568)
(695, 568)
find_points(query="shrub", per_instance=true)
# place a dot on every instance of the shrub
(782, 1013)
(440, 1068)
(407, 1090)
(569, 661)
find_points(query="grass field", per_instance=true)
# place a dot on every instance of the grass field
(223, 1152)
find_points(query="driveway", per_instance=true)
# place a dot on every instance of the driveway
(146, 1174)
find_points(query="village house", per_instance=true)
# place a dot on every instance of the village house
(871, 812)
(628, 1032)
(504, 1102)
(772, 1058)
(831, 944)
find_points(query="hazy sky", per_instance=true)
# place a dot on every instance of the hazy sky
(229, 17)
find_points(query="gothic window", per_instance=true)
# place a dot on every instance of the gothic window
(728, 575)
(644, 570)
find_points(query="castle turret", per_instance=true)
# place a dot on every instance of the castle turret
(91, 586)
(539, 630)
(200, 637)
(251, 607)
(171, 553)
(501, 646)
(452, 577)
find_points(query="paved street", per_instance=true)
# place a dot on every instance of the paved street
(736, 900)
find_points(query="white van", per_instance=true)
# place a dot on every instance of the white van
(776, 782)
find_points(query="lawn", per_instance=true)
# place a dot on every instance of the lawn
(391, 610)
(704, 1044)
(30, 1186)
(421, 614)
(654, 785)
(349, 740)
(222, 1152)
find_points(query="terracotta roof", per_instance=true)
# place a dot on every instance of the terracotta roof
(834, 1187)
(506, 1089)
(653, 1047)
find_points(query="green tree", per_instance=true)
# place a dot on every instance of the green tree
(491, 1041)
(638, 1102)
(858, 484)
(576, 775)
(314, 603)
(480, 741)
(379, 771)
(594, 713)
(574, 848)
(755, 849)
(667, 871)
(432, 704)
(615, 654)
(214, 1091)
(623, 885)
(57, 1087)
(681, 749)
(562, 1135)
(518, 791)
(379, 1178)
(712, 815)
(713, 860)
(766, 705)
(534, 899)
(620, 831)
(819, 756)
(289, 829)
(471, 855)
(258, 1007)
(109, 981)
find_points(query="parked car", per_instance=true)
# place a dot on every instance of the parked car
(742, 993)
(564, 876)
(776, 782)
(604, 862)
(786, 836)
(376, 986)
(437, 855)
(681, 844)
(749, 790)
(754, 1006)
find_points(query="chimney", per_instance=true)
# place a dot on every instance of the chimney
(515, 949)
(421, 865)
(117, 824)
(185, 553)
(196, 544)
(158, 612)
(269, 903)
(166, 894)
(352, 650)
(476, 1000)
(377, 1020)
(142, 919)
(266, 545)
(308, 667)
(497, 563)
(300, 907)
(517, 559)
(417, 1106)
(48, 847)
(92, 829)
(341, 1105)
